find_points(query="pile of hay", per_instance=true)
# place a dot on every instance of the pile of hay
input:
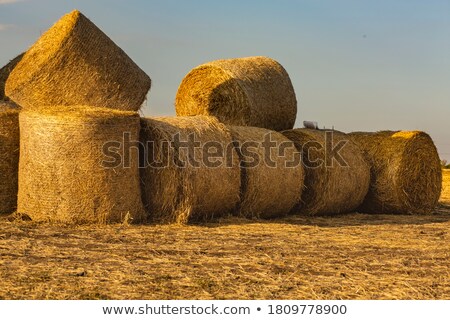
(255, 91)
(332, 185)
(271, 171)
(76, 166)
(4, 74)
(9, 156)
(182, 184)
(406, 176)
(75, 63)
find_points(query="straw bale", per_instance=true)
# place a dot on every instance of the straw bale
(336, 172)
(4, 74)
(75, 63)
(197, 179)
(76, 166)
(253, 91)
(9, 156)
(272, 172)
(406, 176)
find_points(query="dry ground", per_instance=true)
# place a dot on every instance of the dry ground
(348, 257)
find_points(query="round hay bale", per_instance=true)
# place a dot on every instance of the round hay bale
(336, 172)
(9, 156)
(4, 74)
(254, 91)
(190, 170)
(406, 176)
(75, 63)
(75, 166)
(271, 171)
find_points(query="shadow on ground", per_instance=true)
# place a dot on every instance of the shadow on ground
(440, 215)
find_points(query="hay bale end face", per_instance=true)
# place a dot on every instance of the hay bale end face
(72, 167)
(336, 172)
(406, 176)
(9, 156)
(190, 171)
(272, 172)
(254, 91)
(4, 74)
(75, 63)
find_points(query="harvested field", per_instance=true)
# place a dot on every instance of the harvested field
(354, 256)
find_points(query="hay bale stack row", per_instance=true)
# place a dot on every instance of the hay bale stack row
(190, 170)
(70, 173)
(195, 168)
(254, 91)
(75, 63)
(271, 171)
(9, 156)
(406, 176)
(336, 172)
(81, 135)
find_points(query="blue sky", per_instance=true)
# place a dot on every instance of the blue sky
(355, 64)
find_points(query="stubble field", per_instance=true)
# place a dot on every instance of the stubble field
(355, 256)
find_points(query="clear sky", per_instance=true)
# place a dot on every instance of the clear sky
(355, 64)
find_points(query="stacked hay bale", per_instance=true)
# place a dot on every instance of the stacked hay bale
(254, 91)
(271, 171)
(406, 176)
(72, 167)
(75, 63)
(336, 173)
(69, 84)
(190, 169)
(4, 74)
(9, 156)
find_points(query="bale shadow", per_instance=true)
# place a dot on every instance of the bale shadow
(440, 215)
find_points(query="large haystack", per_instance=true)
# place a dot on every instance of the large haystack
(272, 172)
(4, 74)
(9, 156)
(75, 63)
(255, 91)
(336, 173)
(77, 165)
(406, 176)
(196, 179)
